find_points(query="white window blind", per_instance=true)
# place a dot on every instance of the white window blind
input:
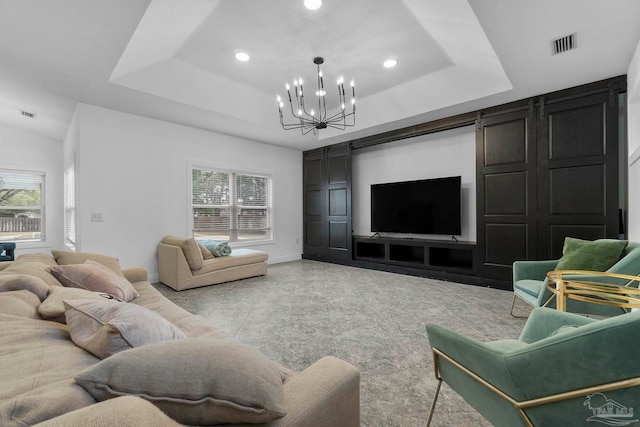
(70, 206)
(21, 206)
(233, 206)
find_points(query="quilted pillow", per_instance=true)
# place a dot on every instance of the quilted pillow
(52, 308)
(94, 276)
(196, 381)
(106, 327)
(597, 255)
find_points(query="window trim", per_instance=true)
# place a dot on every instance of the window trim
(199, 164)
(42, 241)
(71, 166)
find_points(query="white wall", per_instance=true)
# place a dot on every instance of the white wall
(27, 151)
(134, 171)
(633, 120)
(442, 154)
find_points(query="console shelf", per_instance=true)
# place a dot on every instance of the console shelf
(434, 255)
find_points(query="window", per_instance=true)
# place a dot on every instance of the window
(70, 206)
(21, 208)
(233, 206)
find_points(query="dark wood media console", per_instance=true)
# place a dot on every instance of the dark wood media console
(436, 259)
(437, 255)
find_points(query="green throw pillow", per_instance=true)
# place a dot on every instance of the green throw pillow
(598, 255)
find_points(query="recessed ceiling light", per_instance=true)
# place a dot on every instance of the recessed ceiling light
(242, 56)
(312, 4)
(390, 63)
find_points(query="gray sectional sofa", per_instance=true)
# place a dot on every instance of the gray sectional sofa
(192, 374)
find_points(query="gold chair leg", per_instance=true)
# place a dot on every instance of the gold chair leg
(513, 304)
(433, 404)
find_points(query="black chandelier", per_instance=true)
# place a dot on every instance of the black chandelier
(315, 120)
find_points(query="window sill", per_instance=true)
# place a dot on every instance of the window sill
(23, 244)
(238, 245)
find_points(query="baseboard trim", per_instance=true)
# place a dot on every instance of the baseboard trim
(284, 258)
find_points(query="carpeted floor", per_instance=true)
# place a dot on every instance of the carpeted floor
(304, 310)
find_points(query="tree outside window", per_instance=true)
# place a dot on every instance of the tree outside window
(21, 208)
(231, 206)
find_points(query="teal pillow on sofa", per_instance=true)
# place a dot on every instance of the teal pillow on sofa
(216, 247)
(598, 255)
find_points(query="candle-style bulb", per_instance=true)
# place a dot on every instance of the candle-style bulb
(287, 86)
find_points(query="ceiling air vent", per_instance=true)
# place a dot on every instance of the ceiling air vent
(564, 44)
(28, 114)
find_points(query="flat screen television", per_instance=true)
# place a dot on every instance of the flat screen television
(428, 206)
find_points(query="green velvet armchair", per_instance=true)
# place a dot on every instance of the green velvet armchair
(564, 370)
(530, 283)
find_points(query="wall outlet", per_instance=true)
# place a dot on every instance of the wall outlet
(96, 217)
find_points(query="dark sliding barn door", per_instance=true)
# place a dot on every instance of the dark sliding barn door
(506, 185)
(327, 203)
(313, 209)
(578, 157)
(545, 173)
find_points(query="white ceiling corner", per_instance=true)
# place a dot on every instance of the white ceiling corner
(163, 29)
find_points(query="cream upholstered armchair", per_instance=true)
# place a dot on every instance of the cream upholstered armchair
(530, 280)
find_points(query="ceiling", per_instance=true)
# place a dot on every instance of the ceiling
(173, 60)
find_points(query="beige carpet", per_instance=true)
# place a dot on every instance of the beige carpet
(304, 310)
